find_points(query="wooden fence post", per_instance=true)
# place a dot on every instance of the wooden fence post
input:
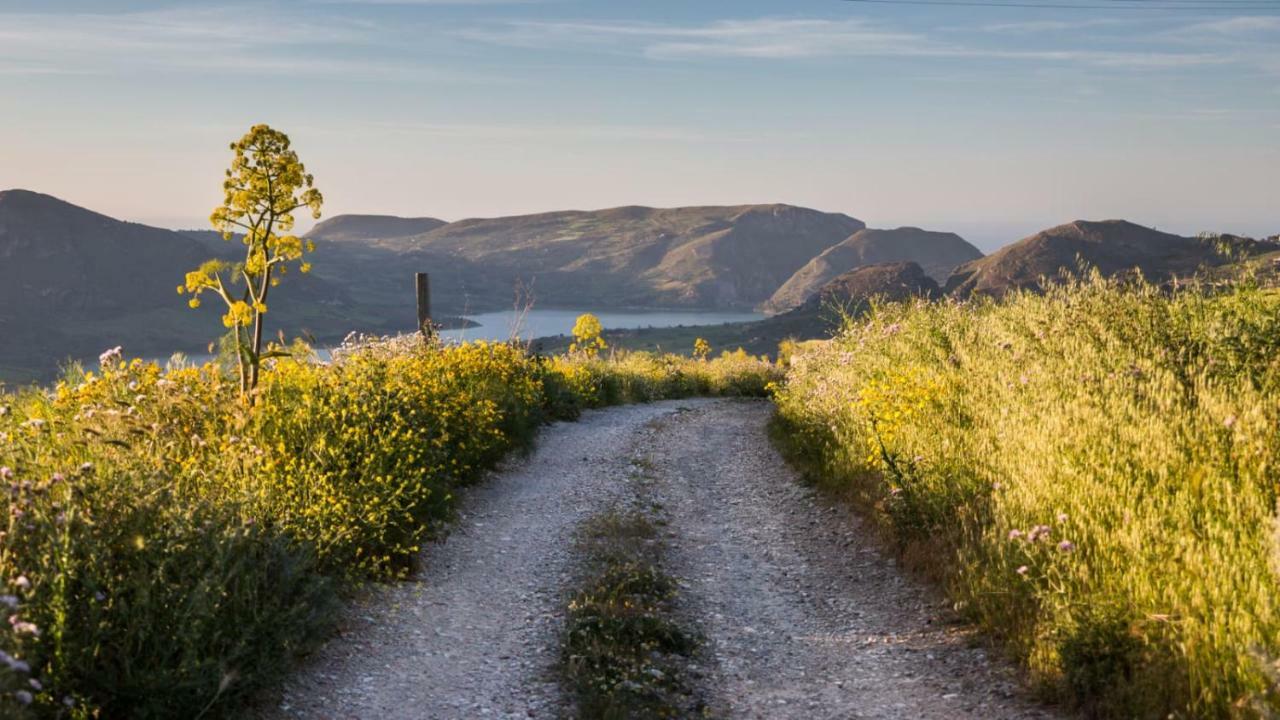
(423, 285)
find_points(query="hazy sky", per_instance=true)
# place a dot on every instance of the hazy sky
(989, 121)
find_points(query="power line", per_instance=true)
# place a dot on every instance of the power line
(1225, 5)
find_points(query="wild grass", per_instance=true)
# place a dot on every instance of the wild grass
(625, 653)
(165, 551)
(1092, 473)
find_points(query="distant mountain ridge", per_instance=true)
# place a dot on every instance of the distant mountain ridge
(73, 282)
(347, 228)
(708, 257)
(1113, 248)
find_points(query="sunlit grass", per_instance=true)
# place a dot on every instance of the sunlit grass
(1092, 472)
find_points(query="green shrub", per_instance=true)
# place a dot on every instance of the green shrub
(1092, 472)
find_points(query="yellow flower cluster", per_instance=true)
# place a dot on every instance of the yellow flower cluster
(152, 516)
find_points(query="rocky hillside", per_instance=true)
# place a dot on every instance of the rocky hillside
(1112, 246)
(938, 253)
(707, 257)
(888, 281)
(816, 319)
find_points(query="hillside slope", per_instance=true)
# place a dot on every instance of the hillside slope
(1112, 246)
(938, 253)
(74, 282)
(818, 318)
(709, 257)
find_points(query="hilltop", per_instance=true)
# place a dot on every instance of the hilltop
(1113, 247)
(696, 257)
(937, 253)
(348, 228)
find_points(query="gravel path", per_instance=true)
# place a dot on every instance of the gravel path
(805, 617)
(474, 635)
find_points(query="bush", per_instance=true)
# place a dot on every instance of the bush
(166, 551)
(1092, 473)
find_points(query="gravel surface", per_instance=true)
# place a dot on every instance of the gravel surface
(805, 616)
(475, 634)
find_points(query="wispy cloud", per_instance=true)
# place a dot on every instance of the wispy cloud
(789, 39)
(1043, 26)
(211, 38)
(1235, 26)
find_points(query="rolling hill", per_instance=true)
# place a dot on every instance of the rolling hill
(817, 318)
(696, 257)
(937, 253)
(1112, 246)
(354, 228)
(74, 282)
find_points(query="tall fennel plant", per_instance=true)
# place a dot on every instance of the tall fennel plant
(265, 185)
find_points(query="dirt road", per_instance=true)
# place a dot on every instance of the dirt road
(805, 616)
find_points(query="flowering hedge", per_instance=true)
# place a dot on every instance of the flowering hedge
(166, 552)
(1092, 473)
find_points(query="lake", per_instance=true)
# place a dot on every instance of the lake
(546, 323)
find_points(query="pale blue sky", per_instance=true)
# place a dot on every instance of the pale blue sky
(989, 121)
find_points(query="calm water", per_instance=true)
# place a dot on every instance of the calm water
(545, 323)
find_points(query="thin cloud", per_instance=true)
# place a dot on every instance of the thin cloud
(1236, 26)
(1041, 26)
(791, 39)
(213, 39)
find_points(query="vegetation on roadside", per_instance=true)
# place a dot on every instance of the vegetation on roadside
(1091, 472)
(625, 653)
(266, 184)
(166, 549)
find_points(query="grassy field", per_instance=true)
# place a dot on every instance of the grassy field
(166, 551)
(1092, 474)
